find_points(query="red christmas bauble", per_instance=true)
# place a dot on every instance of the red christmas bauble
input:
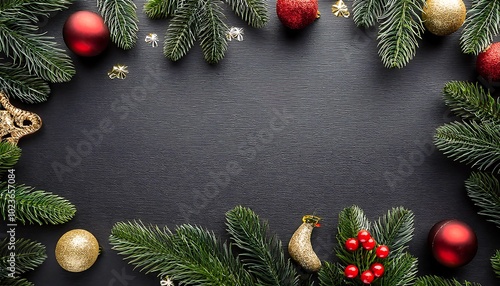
(351, 271)
(453, 243)
(367, 277)
(351, 244)
(488, 62)
(297, 14)
(86, 34)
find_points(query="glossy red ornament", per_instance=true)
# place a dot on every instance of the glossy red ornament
(488, 62)
(351, 271)
(86, 34)
(377, 269)
(297, 14)
(351, 244)
(369, 244)
(363, 235)
(453, 243)
(382, 251)
(367, 277)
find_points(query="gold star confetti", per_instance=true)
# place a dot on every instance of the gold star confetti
(152, 39)
(340, 9)
(118, 71)
(15, 122)
(166, 282)
(235, 33)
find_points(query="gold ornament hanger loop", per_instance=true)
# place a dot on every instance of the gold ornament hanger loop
(16, 123)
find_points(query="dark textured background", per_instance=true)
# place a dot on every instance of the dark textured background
(353, 132)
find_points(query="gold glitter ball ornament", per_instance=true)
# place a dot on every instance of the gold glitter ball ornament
(443, 17)
(77, 250)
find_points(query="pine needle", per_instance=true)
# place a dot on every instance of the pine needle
(481, 25)
(254, 12)
(400, 270)
(182, 31)
(18, 83)
(31, 9)
(477, 144)
(121, 18)
(9, 155)
(15, 282)
(29, 254)
(159, 9)
(495, 263)
(331, 274)
(400, 29)
(471, 101)
(367, 12)
(262, 256)
(35, 206)
(484, 190)
(395, 229)
(212, 31)
(432, 280)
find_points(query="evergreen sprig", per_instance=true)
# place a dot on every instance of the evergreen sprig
(262, 256)
(15, 282)
(9, 155)
(29, 255)
(35, 206)
(495, 263)
(22, 85)
(121, 18)
(395, 229)
(400, 29)
(471, 101)
(477, 144)
(484, 191)
(367, 12)
(432, 280)
(481, 25)
(31, 9)
(202, 20)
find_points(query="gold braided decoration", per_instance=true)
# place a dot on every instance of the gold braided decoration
(16, 123)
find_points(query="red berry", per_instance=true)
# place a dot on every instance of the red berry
(351, 271)
(382, 251)
(351, 244)
(367, 277)
(369, 244)
(363, 235)
(377, 269)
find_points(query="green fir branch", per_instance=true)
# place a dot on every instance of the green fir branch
(432, 280)
(495, 263)
(32, 9)
(212, 31)
(34, 206)
(331, 274)
(254, 12)
(484, 191)
(262, 256)
(182, 31)
(400, 270)
(367, 12)
(395, 229)
(400, 29)
(476, 144)
(121, 18)
(15, 282)
(9, 155)
(471, 101)
(190, 256)
(481, 25)
(351, 221)
(18, 83)
(28, 254)
(39, 53)
(160, 9)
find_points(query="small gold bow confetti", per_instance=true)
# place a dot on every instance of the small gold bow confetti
(15, 122)
(152, 39)
(166, 282)
(235, 33)
(118, 71)
(340, 9)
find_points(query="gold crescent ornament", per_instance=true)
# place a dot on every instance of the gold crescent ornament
(443, 17)
(16, 123)
(300, 247)
(77, 250)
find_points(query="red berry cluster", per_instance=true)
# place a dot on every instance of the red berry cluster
(367, 242)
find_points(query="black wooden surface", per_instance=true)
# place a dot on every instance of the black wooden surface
(289, 123)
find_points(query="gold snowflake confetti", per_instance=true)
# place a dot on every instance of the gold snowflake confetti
(152, 39)
(118, 71)
(235, 33)
(340, 9)
(166, 282)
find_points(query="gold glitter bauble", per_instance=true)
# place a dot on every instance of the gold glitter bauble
(443, 17)
(77, 250)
